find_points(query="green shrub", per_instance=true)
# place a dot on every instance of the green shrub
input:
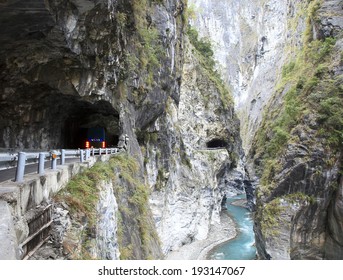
(311, 88)
(331, 115)
(287, 69)
(203, 46)
(133, 206)
(205, 53)
(270, 218)
(299, 197)
(81, 193)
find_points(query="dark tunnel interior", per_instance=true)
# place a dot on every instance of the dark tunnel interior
(53, 121)
(85, 116)
(216, 143)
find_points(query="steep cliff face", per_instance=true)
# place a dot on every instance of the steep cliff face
(200, 149)
(286, 75)
(298, 201)
(70, 65)
(249, 48)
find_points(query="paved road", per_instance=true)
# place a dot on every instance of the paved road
(9, 174)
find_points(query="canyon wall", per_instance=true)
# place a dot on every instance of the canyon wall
(171, 75)
(282, 60)
(126, 66)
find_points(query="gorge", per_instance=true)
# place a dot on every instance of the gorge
(217, 97)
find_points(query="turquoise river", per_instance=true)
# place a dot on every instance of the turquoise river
(242, 246)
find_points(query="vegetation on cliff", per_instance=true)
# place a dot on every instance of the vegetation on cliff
(136, 235)
(205, 53)
(136, 231)
(297, 149)
(311, 94)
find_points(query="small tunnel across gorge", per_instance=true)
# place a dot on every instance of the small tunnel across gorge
(217, 144)
(42, 118)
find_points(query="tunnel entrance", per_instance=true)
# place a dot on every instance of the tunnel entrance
(91, 127)
(216, 144)
(47, 103)
(41, 120)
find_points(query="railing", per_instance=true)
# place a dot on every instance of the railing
(22, 159)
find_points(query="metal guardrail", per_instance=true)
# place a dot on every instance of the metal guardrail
(22, 159)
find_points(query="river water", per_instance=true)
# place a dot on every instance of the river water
(242, 246)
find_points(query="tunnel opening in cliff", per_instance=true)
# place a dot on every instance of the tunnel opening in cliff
(48, 96)
(42, 118)
(216, 144)
(78, 124)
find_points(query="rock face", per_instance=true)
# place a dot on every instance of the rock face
(298, 201)
(298, 196)
(50, 83)
(107, 225)
(249, 48)
(70, 65)
(120, 65)
(66, 240)
(333, 242)
(189, 176)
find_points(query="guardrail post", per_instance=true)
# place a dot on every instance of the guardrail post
(81, 156)
(19, 175)
(99, 151)
(106, 151)
(41, 160)
(53, 161)
(93, 152)
(63, 157)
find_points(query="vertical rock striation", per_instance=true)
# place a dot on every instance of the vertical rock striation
(107, 224)
(298, 201)
(249, 49)
(187, 175)
(285, 75)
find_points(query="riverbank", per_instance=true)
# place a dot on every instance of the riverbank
(198, 250)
